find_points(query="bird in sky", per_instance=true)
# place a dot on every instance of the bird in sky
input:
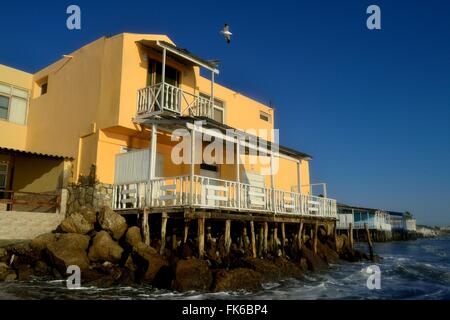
(226, 33)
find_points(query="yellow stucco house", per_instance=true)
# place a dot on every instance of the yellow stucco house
(109, 111)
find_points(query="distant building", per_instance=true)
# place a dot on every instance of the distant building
(403, 225)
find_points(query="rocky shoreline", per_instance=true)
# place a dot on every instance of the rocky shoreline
(109, 253)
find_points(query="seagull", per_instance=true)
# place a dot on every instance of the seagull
(226, 33)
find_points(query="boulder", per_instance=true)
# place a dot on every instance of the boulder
(287, 268)
(4, 271)
(112, 222)
(40, 242)
(41, 269)
(104, 248)
(326, 253)
(148, 262)
(303, 264)
(340, 242)
(3, 255)
(240, 278)
(89, 214)
(193, 274)
(76, 223)
(69, 250)
(22, 253)
(133, 236)
(24, 272)
(313, 260)
(268, 270)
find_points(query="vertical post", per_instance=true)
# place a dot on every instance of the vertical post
(275, 239)
(350, 235)
(316, 231)
(283, 238)
(227, 236)
(299, 235)
(260, 241)
(201, 237)
(163, 232)
(299, 175)
(174, 240)
(153, 145)
(244, 237)
(369, 241)
(266, 234)
(163, 80)
(238, 171)
(192, 169)
(272, 182)
(211, 109)
(146, 227)
(335, 234)
(186, 230)
(253, 238)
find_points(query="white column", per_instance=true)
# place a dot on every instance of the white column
(238, 171)
(299, 176)
(153, 144)
(192, 171)
(211, 110)
(163, 79)
(272, 181)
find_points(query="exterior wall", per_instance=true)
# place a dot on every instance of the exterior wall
(96, 195)
(27, 225)
(15, 134)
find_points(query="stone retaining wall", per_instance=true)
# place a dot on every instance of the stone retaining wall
(96, 196)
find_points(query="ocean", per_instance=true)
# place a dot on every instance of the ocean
(409, 270)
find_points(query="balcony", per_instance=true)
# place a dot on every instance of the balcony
(166, 99)
(211, 193)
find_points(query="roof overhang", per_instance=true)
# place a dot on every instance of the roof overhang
(4, 150)
(181, 55)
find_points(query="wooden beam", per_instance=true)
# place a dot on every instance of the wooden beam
(227, 236)
(316, 230)
(163, 233)
(146, 227)
(201, 237)
(253, 238)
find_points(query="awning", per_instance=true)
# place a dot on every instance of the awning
(181, 55)
(31, 153)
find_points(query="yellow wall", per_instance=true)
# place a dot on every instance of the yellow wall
(14, 135)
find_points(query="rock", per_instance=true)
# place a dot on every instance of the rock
(104, 248)
(3, 255)
(266, 268)
(69, 250)
(12, 276)
(22, 253)
(112, 222)
(144, 250)
(240, 278)
(133, 236)
(340, 242)
(148, 262)
(303, 264)
(24, 272)
(313, 260)
(41, 269)
(89, 214)
(4, 271)
(193, 274)
(76, 223)
(326, 253)
(40, 242)
(287, 268)
(164, 278)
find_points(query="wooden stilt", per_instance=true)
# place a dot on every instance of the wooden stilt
(283, 238)
(275, 239)
(245, 241)
(163, 232)
(186, 230)
(201, 237)
(350, 236)
(316, 230)
(146, 227)
(261, 241)
(266, 234)
(252, 238)
(174, 240)
(227, 236)
(335, 234)
(299, 236)
(369, 241)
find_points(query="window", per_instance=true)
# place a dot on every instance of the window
(264, 116)
(3, 174)
(13, 104)
(44, 88)
(154, 76)
(219, 110)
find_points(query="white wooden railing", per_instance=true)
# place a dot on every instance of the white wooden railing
(153, 100)
(207, 192)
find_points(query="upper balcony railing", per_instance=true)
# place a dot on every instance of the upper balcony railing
(166, 98)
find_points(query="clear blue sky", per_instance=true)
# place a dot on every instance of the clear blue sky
(372, 107)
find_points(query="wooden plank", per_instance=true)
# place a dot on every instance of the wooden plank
(129, 200)
(216, 188)
(168, 197)
(168, 187)
(214, 197)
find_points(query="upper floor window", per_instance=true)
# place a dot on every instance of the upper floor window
(13, 103)
(3, 174)
(154, 76)
(43, 86)
(265, 116)
(219, 109)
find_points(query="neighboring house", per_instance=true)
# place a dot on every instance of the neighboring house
(107, 111)
(402, 221)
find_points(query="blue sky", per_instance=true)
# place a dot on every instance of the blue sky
(372, 107)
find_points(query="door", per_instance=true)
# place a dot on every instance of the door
(209, 171)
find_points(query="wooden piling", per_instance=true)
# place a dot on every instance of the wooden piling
(186, 230)
(350, 236)
(253, 238)
(201, 237)
(335, 234)
(266, 234)
(174, 240)
(369, 241)
(275, 239)
(299, 236)
(146, 227)
(261, 241)
(227, 236)
(283, 238)
(316, 230)
(245, 237)
(163, 232)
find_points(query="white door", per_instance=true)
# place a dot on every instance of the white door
(256, 196)
(209, 182)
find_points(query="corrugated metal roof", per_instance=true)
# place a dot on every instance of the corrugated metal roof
(11, 150)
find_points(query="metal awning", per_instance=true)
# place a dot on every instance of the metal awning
(179, 54)
(31, 153)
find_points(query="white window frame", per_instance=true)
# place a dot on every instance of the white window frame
(215, 106)
(5, 172)
(10, 97)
